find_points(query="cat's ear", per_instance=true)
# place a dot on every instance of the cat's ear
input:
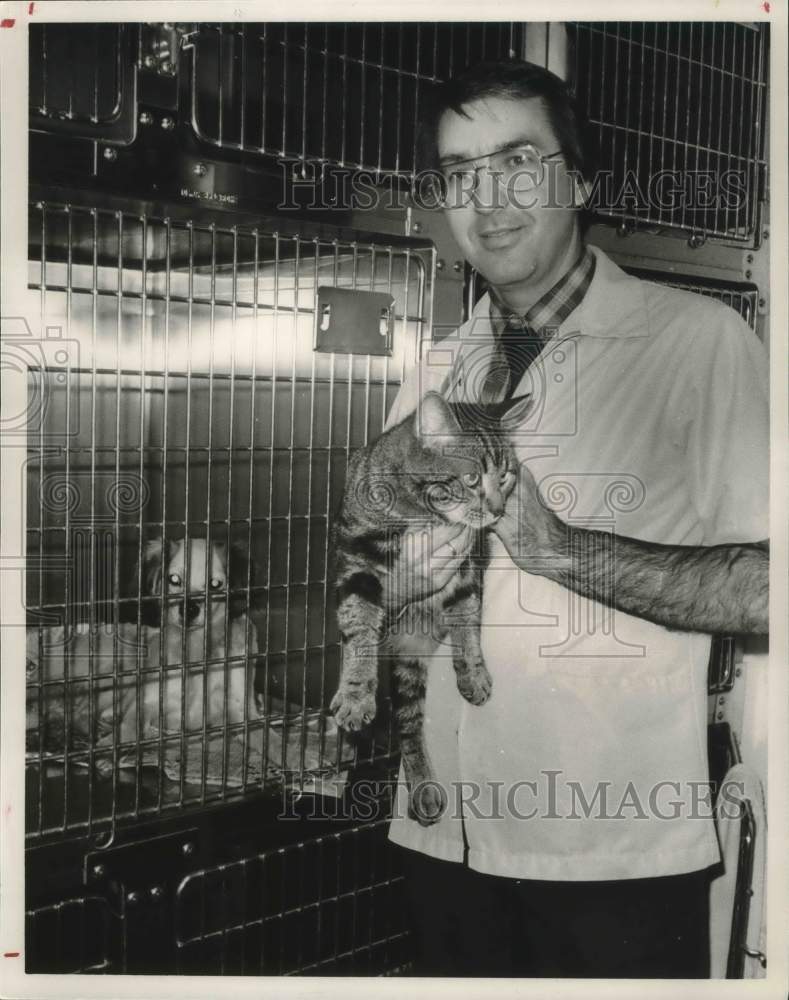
(437, 426)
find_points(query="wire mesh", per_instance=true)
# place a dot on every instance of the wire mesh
(742, 298)
(341, 93)
(83, 934)
(332, 905)
(678, 109)
(191, 451)
(82, 80)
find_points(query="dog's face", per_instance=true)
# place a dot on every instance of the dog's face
(193, 576)
(202, 578)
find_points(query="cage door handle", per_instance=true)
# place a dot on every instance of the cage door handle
(753, 953)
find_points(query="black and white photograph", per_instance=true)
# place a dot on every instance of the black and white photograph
(393, 499)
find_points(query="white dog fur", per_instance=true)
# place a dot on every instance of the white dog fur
(205, 634)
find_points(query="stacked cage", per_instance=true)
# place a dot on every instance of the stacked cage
(216, 365)
(224, 332)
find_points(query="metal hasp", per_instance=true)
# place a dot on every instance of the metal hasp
(353, 322)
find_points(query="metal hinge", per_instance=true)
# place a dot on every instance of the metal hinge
(160, 45)
(139, 882)
(762, 183)
(141, 870)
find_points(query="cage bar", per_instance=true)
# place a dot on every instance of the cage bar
(743, 297)
(326, 67)
(82, 935)
(330, 905)
(196, 382)
(703, 77)
(98, 102)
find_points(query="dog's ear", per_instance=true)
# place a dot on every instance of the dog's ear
(151, 583)
(240, 574)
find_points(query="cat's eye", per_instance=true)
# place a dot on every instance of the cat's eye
(472, 479)
(174, 579)
(439, 496)
(439, 493)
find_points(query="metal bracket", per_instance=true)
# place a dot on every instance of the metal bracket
(142, 870)
(348, 321)
(139, 882)
(449, 287)
(726, 686)
(431, 224)
(160, 45)
(724, 656)
(760, 955)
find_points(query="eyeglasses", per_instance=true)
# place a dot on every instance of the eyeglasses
(516, 168)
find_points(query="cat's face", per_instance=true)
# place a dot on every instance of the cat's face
(475, 498)
(467, 473)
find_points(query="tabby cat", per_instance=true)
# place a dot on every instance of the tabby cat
(436, 467)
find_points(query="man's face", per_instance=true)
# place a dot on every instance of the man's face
(516, 242)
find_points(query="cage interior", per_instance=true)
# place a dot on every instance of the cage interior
(191, 419)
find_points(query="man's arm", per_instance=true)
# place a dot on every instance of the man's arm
(720, 588)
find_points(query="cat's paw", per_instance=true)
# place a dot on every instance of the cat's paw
(427, 802)
(352, 711)
(475, 684)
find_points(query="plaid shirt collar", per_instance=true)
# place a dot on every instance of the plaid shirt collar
(553, 308)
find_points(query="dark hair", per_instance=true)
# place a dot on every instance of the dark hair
(513, 79)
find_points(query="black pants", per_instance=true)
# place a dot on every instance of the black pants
(469, 924)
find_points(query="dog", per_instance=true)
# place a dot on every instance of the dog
(85, 686)
(200, 615)
(166, 567)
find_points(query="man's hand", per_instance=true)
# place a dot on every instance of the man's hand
(718, 588)
(429, 558)
(535, 538)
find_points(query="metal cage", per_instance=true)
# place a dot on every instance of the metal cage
(82, 80)
(332, 905)
(677, 110)
(283, 89)
(83, 934)
(206, 374)
(742, 297)
(329, 905)
(671, 99)
(314, 96)
(193, 414)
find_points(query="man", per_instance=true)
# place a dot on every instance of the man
(578, 840)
